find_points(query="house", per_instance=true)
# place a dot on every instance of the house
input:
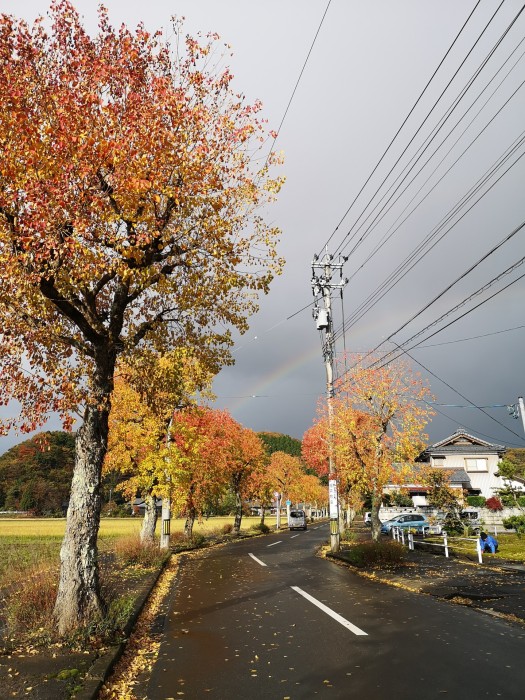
(470, 462)
(138, 506)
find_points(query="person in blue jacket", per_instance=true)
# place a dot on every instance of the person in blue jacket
(488, 543)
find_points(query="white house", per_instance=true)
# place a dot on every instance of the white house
(471, 462)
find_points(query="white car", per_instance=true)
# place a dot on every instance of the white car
(368, 518)
(297, 520)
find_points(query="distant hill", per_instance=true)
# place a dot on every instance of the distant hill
(35, 475)
(278, 442)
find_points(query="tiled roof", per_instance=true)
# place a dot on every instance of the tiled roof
(464, 450)
(476, 443)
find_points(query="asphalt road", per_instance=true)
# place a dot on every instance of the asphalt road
(266, 619)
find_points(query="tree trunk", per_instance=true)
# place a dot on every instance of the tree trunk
(78, 599)
(238, 514)
(374, 515)
(188, 525)
(147, 532)
(262, 514)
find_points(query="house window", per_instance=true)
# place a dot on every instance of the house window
(476, 465)
(438, 461)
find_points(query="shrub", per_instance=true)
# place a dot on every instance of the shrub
(198, 540)
(476, 501)
(30, 607)
(515, 522)
(494, 503)
(347, 536)
(260, 527)
(227, 528)
(366, 554)
(130, 551)
(521, 501)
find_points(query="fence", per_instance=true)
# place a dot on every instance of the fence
(399, 535)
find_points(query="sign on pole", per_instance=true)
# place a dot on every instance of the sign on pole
(332, 495)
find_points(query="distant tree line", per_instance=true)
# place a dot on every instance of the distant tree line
(35, 475)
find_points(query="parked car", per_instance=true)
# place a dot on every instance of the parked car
(368, 518)
(467, 517)
(406, 521)
(297, 520)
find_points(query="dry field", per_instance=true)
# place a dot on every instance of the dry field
(26, 542)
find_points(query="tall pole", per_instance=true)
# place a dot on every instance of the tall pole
(322, 286)
(166, 502)
(518, 410)
(521, 408)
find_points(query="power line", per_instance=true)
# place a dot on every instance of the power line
(473, 337)
(391, 231)
(456, 391)
(299, 79)
(473, 430)
(342, 245)
(402, 125)
(417, 254)
(462, 315)
(483, 258)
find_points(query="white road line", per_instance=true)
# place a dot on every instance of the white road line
(330, 612)
(257, 560)
(293, 536)
(274, 543)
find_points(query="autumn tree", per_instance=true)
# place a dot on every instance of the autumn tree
(350, 452)
(198, 459)
(144, 399)
(379, 416)
(245, 456)
(440, 494)
(128, 223)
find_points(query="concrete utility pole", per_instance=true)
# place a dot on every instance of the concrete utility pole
(322, 286)
(518, 410)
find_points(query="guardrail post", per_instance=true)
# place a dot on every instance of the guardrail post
(478, 548)
(411, 541)
(445, 544)
(402, 536)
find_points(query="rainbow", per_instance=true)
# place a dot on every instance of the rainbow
(261, 387)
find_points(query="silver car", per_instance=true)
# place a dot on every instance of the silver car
(297, 520)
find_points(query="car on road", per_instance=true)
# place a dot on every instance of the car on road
(297, 520)
(406, 521)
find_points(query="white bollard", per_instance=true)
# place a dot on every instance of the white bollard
(411, 541)
(478, 548)
(402, 536)
(445, 543)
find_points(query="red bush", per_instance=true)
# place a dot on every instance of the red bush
(493, 503)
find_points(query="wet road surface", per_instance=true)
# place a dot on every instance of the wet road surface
(266, 619)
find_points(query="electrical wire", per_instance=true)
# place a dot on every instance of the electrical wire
(417, 253)
(385, 152)
(393, 228)
(298, 81)
(462, 315)
(473, 337)
(348, 235)
(456, 391)
(483, 258)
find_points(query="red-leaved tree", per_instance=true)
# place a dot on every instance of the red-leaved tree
(128, 222)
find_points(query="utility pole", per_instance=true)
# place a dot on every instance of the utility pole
(322, 286)
(165, 530)
(518, 410)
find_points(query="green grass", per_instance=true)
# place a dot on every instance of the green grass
(511, 546)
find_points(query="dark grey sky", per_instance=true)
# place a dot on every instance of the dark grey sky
(369, 64)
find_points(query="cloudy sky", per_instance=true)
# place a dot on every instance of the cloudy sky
(416, 215)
